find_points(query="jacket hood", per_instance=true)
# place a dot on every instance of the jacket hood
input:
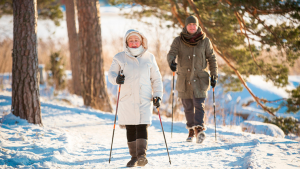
(144, 42)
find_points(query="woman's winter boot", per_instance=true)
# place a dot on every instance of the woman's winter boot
(141, 148)
(132, 152)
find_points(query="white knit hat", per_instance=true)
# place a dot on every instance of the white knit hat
(136, 34)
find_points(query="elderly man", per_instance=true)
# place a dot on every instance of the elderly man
(195, 53)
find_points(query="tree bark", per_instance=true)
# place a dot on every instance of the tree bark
(92, 71)
(73, 44)
(25, 72)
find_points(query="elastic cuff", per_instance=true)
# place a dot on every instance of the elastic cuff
(201, 126)
(122, 126)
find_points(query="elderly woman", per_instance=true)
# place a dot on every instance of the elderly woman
(140, 77)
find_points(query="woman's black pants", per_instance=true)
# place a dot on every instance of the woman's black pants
(136, 132)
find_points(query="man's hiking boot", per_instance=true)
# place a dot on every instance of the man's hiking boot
(199, 133)
(191, 135)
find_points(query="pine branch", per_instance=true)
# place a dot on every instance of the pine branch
(242, 24)
(175, 13)
(272, 101)
(265, 26)
(277, 10)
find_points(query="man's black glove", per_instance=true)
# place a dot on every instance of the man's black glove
(120, 79)
(156, 101)
(173, 66)
(213, 81)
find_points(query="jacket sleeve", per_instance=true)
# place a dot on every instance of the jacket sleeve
(211, 57)
(156, 79)
(113, 71)
(173, 50)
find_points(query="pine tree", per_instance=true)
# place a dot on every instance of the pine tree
(73, 44)
(25, 72)
(58, 75)
(93, 85)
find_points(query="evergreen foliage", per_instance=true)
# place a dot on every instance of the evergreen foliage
(227, 81)
(58, 77)
(287, 124)
(47, 9)
(293, 103)
(6, 7)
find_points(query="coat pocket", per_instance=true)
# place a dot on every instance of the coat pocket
(204, 82)
(125, 95)
(181, 83)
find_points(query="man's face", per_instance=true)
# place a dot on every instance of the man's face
(133, 42)
(191, 28)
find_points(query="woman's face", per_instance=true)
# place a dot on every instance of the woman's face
(133, 41)
(191, 28)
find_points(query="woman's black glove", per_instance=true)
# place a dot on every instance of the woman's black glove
(156, 101)
(213, 81)
(173, 66)
(120, 79)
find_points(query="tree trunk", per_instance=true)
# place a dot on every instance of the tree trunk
(92, 72)
(25, 72)
(73, 44)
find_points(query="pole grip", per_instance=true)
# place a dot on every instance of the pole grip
(121, 73)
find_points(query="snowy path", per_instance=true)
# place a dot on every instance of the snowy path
(80, 138)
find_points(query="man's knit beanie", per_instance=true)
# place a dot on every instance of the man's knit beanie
(191, 19)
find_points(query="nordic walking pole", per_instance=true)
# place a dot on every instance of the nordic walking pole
(215, 113)
(112, 139)
(163, 134)
(172, 103)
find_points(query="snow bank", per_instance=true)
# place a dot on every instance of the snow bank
(257, 127)
(11, 119)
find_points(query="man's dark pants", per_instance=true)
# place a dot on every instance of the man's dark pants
(194, 111)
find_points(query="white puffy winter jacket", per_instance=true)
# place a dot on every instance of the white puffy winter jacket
(142, 82)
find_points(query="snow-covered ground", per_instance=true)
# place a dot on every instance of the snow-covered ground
(74, 136)
(78, 137)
